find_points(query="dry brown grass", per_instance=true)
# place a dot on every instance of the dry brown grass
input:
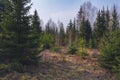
(61, 66)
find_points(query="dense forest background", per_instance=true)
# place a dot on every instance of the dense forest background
(23, 36)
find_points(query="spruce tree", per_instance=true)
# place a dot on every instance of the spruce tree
(36, 31)
(110, 51)
(16, 35)
(62, 35)
(103, 22)
(100, 26)
(69, 33)
(115, 21)
(36, 23)
(82, 28)
(85, 31)
(74, 32)
(80, 16)
(88, 32)
(107, 16)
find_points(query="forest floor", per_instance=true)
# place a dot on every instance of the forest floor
(62, 66)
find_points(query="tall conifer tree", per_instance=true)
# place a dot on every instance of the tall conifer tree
(16, 35)
(115, 21)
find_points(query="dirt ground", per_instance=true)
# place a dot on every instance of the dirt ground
(62, 66)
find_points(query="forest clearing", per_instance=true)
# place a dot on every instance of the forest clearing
(62, 66)
(71, 40)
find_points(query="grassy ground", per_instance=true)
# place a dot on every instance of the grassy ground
(61, 66)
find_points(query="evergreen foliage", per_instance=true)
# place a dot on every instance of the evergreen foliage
(17, 43)
(72, 49)
(62, 35)
(47, 40)
(22, 36)
(101, 26)
(110, 51)
(86, 31)
(115, 20)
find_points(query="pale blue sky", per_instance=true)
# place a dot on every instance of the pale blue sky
(64, 10)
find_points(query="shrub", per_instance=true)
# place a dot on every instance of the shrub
(46, 46)
(56, 49)
(72, 49)
(117, 76)
(3, 69)
(15, 67)
(82, 53)
(3, 66)
(8, 68)
(47, 40)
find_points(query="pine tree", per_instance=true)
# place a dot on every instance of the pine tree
(16, 35)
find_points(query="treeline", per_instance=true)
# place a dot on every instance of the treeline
(83, 27)
(22, 36)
